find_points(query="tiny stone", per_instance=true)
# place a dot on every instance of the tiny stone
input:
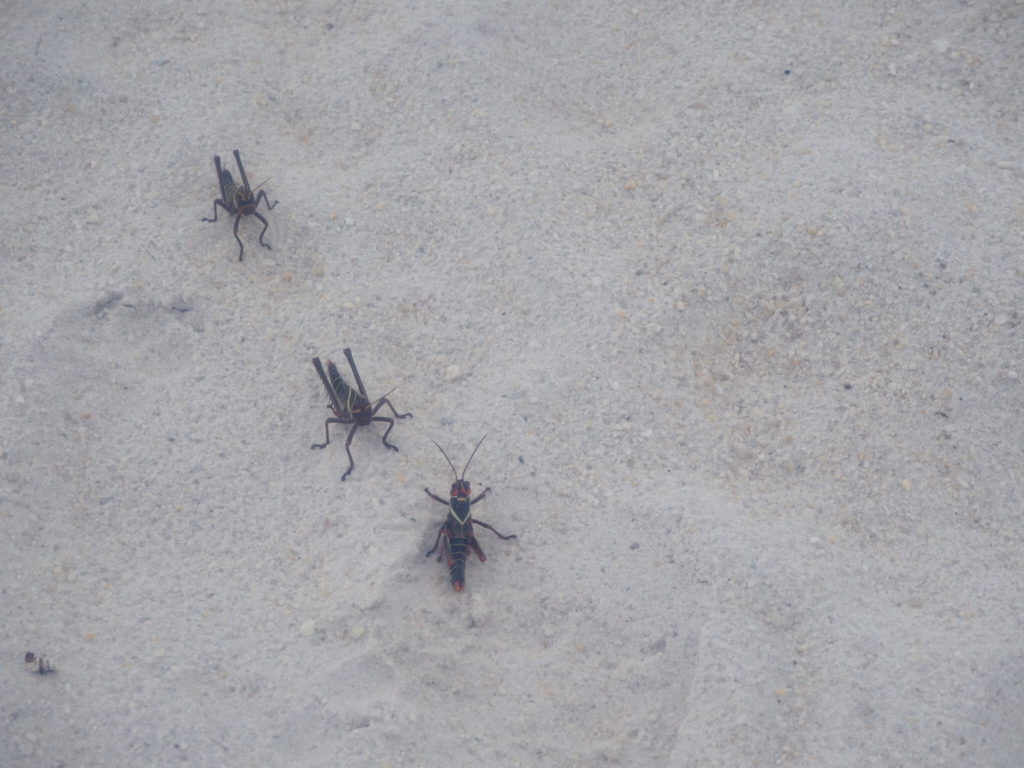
(357, 631)
(452, 372)
(308, 628)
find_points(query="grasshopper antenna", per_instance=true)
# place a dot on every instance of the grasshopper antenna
(470, 457)
(454, 470)
(380, 399)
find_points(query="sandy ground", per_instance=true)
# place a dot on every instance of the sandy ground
(734, 290)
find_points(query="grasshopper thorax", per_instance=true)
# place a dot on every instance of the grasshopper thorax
(458, 503)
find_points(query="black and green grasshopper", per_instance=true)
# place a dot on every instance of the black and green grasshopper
(351, 407)
(240, 201)
(456, 533)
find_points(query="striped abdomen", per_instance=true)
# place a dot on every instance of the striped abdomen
(230, 189)
(353, 403)
(458, 551)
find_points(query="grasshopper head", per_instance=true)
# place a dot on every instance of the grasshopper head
(243, 198)
(461, 491)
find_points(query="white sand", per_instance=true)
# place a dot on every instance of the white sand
(734, 290)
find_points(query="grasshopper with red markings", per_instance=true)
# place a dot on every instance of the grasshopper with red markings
(455, 536)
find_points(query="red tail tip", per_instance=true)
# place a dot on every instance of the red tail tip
(457, 586)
